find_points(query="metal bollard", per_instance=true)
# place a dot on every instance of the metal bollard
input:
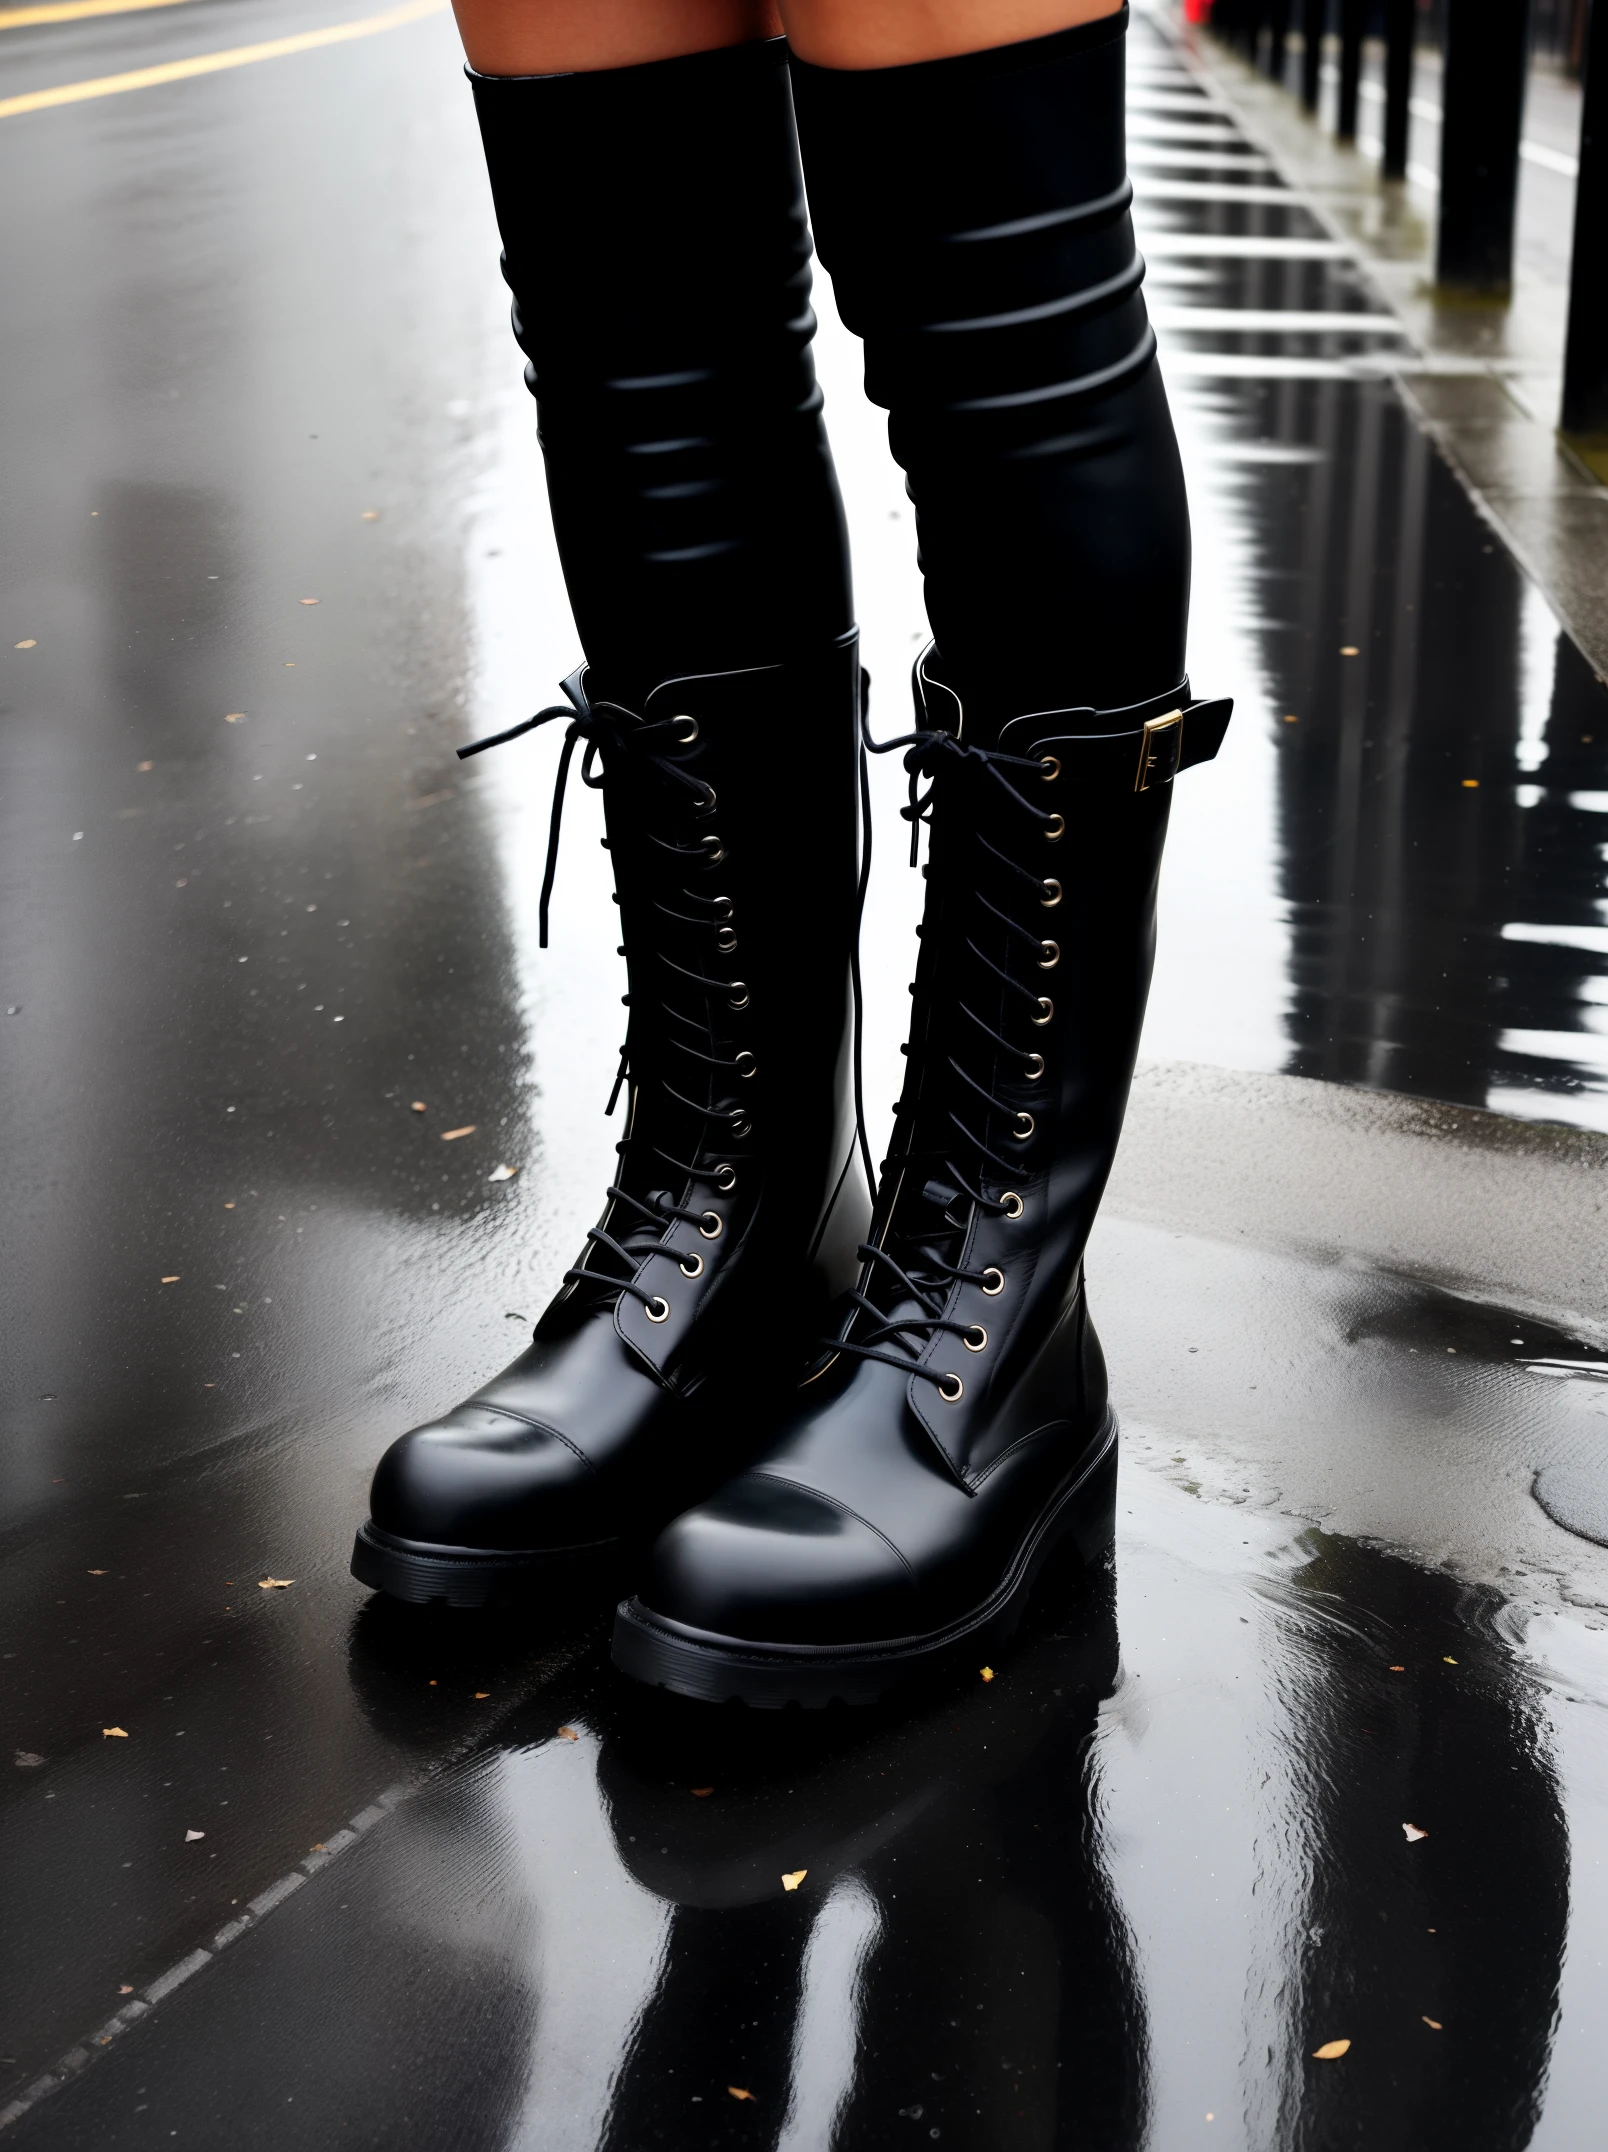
(1314, 20)
(1585, 356)
(1278, 36)
(1353, 20)
(1401, 32)
(1487, 54)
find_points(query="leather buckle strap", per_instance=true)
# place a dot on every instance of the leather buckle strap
(1144, 759)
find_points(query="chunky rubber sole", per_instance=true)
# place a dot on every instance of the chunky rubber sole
(463, 1576)
(666, 1654)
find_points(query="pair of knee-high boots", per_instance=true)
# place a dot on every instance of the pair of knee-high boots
(857, 1426)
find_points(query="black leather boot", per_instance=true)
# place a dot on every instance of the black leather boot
(740, 1199)
(958, 1430)
(974, 214)
(654, 238)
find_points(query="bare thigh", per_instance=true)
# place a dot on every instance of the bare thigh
(559, 37)
(563, 37)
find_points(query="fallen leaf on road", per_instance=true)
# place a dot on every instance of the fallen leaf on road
(793, 1881)
(306, 601)
(481, 1695)
(502, 1173)
(418, 1105)
(451, 1135)
(987, 1672)
(234, 717)
(30, 642)
(190, 1837)
(142, 766)
(126, 1988)
(1447, 1662)
(1395, 1670)
(174, 1279)
(97, 1572)
(275, 1584)
(568, 1733)
(1434, 2024)
(1331, 2050)
(113, 1733)
(1412, 1833)
(26, 1760)
(701, 1793)
(371, 515)
(739, 2092)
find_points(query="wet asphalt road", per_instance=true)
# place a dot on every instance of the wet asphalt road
(252, 910)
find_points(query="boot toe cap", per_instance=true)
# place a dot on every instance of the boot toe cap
(769, 1561)
(487, 1479)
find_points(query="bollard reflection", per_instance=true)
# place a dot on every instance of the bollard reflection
(1442, 749)
(1438, 1955)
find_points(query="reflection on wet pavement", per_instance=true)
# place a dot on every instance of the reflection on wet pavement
(455, 1886)
(1097, 1901)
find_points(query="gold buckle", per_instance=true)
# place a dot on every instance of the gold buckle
(1160, 745)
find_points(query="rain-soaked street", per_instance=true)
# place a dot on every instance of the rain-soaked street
(1325, 1758)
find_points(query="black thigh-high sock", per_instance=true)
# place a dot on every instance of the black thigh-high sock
(973, 215)
(655, 242)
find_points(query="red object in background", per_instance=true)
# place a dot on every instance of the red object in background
(1197, 10)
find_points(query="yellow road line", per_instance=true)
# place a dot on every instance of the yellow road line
(23, 18)
(211, 63)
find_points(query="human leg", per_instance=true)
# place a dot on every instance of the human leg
(973, 211)
(654, 240)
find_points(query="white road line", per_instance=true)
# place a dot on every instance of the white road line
(1273, 321)
(1221, 246)
(1208, 190)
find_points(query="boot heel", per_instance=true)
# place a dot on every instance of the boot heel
(1084, 1526)
(1094, 1529)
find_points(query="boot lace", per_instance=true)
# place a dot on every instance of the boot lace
(685, 860)
(898, 1307)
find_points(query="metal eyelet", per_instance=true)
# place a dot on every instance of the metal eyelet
(1034, 1069)
(1048, 1008)
(741, 1126)
(1011, 1204)
(658, 1301)
(707, 804)
(979, 1333)
(1055, 829)
(1052, 893)
(1019, 1134)
(1051, 956)
(691, 1266)
(740, 996)
(686, 738)
(746, 1065)
(711, 1226)
(951, 1396)
(722, 907)
(993, 1291)
(726, 940)
(1052, 767)
(716, 850)
(725, 1181)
